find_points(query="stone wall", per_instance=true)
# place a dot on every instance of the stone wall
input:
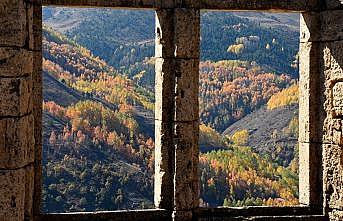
(177, 108)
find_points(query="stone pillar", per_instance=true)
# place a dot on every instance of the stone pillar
(17, 141)
(310, 111)
(331, 46)
(177, 111)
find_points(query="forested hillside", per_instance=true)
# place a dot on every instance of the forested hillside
(99, 102)
(96, 155)
(125, 38)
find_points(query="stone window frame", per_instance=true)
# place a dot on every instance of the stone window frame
(177, 49)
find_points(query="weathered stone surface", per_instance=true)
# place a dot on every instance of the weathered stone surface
(16, 142)
(311, 98)
(177, 33)
(29, 190)
(331, 25)
(336, 215)
(334, 4)
(337, 94)
(182, 216)
(12, 195)
(15, 62)
(164, 152)
(186, 90)
(164, 33)
(310, 192)
(333, 176)
(310, 27)
(15, 96)
(186, 179)
(12, 23)
(164, 89)
(37, 113)
(187, 33)
(34, 18)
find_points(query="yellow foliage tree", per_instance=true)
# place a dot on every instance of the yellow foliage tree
(285, 97)
(240, 137)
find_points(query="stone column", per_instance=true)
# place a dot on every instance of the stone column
(310, 111)
(331, 46)
(16, 115)
(177, 111)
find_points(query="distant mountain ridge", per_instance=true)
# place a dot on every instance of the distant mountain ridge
(125, 38)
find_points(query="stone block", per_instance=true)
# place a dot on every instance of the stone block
(337, 99)
(336, 215)
(186, 179)
(310, 192)
(12, 195)
(34, 19)
(15, 96)
(334, 4)
(187, 90)
(13, 30)
(186, 33)
(164, 89)
(15, 62)
(177, 33)
(182, 216)
(331, 25)
(16, 142)
(332, 176)
(310, 27)
(164, 152)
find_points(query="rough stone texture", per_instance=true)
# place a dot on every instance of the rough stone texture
(164, 32)
(29, 190)
(336, 215)
(177, 33)
(164, 89)
(177, 120)
(309, 23)
(16, 142)
(37, 113)
(337, 94)
(186, 90)
(12, 23)
(12, 195)
(331, 25)
(133, 215)
(164, 152)
(311, 111)
(333, 176)
(187, 33)
(334, 4)
(15, 62)
(15, 96)
(186, 178)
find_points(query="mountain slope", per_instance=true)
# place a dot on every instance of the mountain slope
(125, 38)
